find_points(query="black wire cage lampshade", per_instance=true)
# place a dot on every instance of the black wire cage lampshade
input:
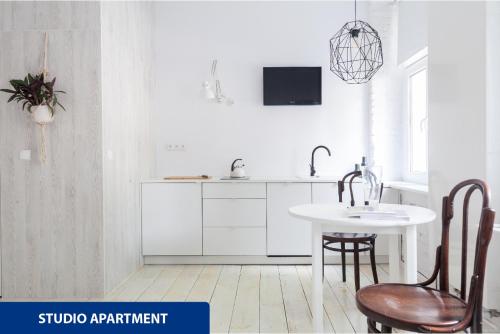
(356, 52)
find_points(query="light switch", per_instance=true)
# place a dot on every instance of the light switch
(25, 155)
(176, 147)
(109, 154)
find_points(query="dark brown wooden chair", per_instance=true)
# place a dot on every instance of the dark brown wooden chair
(361, 242)
(419, 308)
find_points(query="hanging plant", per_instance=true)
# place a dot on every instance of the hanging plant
(37, 96)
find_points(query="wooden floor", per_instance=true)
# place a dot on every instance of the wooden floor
(251, 299)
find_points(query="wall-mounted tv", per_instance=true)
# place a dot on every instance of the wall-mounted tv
(292, 86)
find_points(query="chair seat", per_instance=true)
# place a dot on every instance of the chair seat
(408, 307)
(348, 237)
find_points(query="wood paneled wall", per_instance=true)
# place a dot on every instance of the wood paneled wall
(126, 73)
(69, 227)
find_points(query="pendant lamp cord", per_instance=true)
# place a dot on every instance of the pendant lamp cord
(355, 12)
(45, 71)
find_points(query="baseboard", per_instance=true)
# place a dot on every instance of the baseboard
(363, 259)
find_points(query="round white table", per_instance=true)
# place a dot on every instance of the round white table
(334, 217)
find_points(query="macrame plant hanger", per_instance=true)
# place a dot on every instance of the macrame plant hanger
(45, 71)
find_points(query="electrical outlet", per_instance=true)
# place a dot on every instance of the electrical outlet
(175, 147)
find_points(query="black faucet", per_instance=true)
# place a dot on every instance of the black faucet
(313, 171)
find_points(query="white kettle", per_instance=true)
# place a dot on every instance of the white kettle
(237, 170)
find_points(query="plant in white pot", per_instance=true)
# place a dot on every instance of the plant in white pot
(37, 96)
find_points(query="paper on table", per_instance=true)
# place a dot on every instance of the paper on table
(371, 213)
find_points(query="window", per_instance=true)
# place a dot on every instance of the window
(417, 138)
(417, 105)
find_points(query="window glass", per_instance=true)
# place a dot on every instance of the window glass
(417, 93)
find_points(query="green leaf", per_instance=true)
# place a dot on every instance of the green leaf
(52, 83)
(10, 91)
(33, 90)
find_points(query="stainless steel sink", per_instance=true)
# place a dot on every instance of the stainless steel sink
(235, 178)
(307, 177)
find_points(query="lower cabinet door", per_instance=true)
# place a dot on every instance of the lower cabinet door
(287, 235)
(171, 219)
(234, 241)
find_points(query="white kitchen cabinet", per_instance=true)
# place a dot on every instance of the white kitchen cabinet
(234, 213)
(234, 190)
(234, 241)
(328, 193)
(234, 226)
(287, 235)
(425, 249)
(171, 219)
(325, 193)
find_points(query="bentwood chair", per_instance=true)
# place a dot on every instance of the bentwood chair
(361, 242)
(420, 308)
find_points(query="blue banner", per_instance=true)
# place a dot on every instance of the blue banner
(104, 317)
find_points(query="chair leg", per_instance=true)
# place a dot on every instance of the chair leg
(477, 320)
(323, 263)
(356, 265)
(373, 263)
(342, 247)
(386, 329)
(372, 326)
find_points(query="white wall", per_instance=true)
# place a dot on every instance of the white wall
(457, 111)
(493, 141)
(412, 28)
(385, 93)
(245, 36)
(128, 151)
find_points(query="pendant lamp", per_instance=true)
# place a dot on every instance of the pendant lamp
(356, 51)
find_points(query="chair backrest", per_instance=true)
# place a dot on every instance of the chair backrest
(353, 175)
(341, 184)
(485, 230)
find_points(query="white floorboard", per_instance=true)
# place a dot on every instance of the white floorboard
(272, 307)
(298, 314)
(183, 284)
(223, 298)
(246, 315)
(260, 298)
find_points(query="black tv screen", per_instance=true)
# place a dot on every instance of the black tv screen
(292, 86)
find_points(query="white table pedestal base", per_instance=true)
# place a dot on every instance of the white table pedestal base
(411, 254)
(317, 278)
(394, 258)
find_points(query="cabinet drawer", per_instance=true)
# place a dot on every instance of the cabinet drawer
(234, 241)
(234, 212)
(234, 190)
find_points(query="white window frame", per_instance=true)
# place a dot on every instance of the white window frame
(412, 67)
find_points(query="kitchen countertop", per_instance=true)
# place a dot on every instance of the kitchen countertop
(399, 185)
(408, 186)
(256, 179)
